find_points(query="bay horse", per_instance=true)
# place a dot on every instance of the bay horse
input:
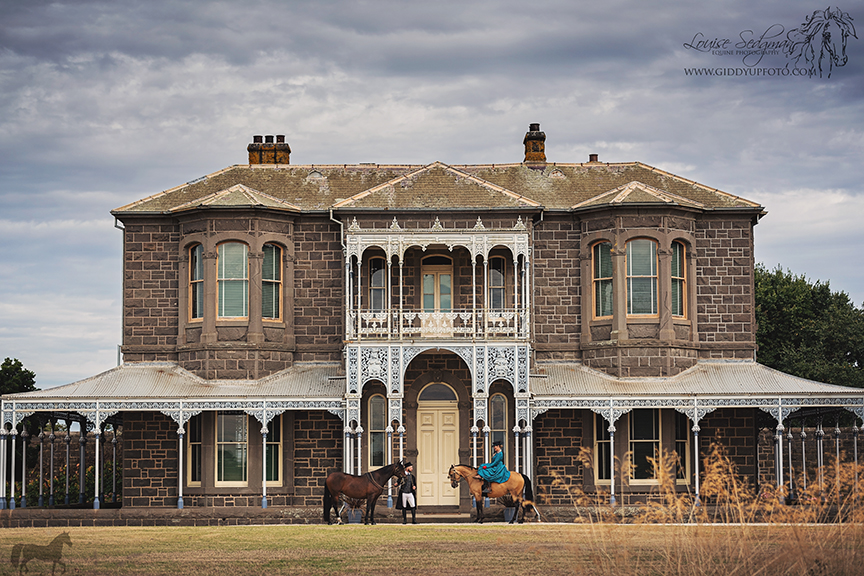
(367, 487)
(23, 553)
(512, 488)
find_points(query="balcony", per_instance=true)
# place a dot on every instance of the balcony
(507, 324)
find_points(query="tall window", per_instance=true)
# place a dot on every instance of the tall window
(641, 277)
(602, 256)
(498, 419)
(678, 279)
(196, 282)
(274, 451)
(377, 284)
(602, 449)
(233, 280)
(231, 448)
(437, 284)
(682, 447)
(193, 438)
(377, 430)
(271, 283)
(644, 441)
(496, 283)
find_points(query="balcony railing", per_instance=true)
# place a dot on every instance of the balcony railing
(459, 324)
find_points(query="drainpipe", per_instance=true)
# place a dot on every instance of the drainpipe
(122, 295)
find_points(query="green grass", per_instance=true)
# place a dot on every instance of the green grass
(595, 549)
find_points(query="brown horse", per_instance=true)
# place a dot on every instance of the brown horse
(367, 487)
(512, 488)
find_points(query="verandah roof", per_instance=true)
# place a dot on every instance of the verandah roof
(166, 387)
(707, 386)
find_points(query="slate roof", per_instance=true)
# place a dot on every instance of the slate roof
(438, 186)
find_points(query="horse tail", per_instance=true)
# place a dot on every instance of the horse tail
(328, 503)
(16, 553)
(529, 491)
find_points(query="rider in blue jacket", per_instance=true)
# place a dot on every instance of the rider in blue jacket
(494, 471)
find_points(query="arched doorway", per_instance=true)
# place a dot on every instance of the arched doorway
(437, 444)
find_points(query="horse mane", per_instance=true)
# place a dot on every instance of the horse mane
(802, 38)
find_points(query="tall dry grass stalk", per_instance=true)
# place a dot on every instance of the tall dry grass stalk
(733, 529)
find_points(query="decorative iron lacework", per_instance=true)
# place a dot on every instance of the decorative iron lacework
(480, 410)
(395, 240)
(697, 407)
(96, 413)
(395, 411)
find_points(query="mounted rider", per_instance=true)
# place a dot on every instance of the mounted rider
(494, 471)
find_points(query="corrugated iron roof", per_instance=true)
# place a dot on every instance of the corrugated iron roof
(707, 378)
(167, 381)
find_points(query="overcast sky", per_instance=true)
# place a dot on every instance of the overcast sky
(105, 102)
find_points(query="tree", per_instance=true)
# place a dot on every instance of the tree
(807, 330)
(15, 378)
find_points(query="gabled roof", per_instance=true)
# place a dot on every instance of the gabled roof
(437, 186)
(638, 193)
(235, 197)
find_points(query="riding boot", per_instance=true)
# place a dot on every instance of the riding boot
(486, 487)
(413, 516)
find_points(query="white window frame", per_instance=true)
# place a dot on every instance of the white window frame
(657, 442)
(196, 283)
(602, 472)
(601, 283)
(679, 282)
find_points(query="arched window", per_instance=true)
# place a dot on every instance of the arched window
(498, 420)
(496, 283)
(233, 280)
(641, 277)
(377, 430)
(377, 284)
(679, 279)
(196, 282)
(435, 392)
(602, 264)
(271, 283)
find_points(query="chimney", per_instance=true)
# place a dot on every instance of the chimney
(592, 158)
(263, 150)
(535, 145)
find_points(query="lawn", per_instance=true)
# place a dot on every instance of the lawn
(547, 549)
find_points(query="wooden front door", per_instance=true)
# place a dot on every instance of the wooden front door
(438, 448)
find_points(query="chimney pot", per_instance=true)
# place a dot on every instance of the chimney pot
(592, 158)
(263, 150)
(535, 145)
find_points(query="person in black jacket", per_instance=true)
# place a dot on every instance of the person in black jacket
(407, 497)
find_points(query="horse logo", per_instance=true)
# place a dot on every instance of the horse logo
(821, 41)
(23, 553)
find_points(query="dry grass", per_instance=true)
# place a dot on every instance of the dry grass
(734, 532)
(593, 549)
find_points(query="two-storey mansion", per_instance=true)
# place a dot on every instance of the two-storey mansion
(281, 322)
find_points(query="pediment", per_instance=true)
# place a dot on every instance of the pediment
(235, 197)
(437, 186)
(638, 193)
